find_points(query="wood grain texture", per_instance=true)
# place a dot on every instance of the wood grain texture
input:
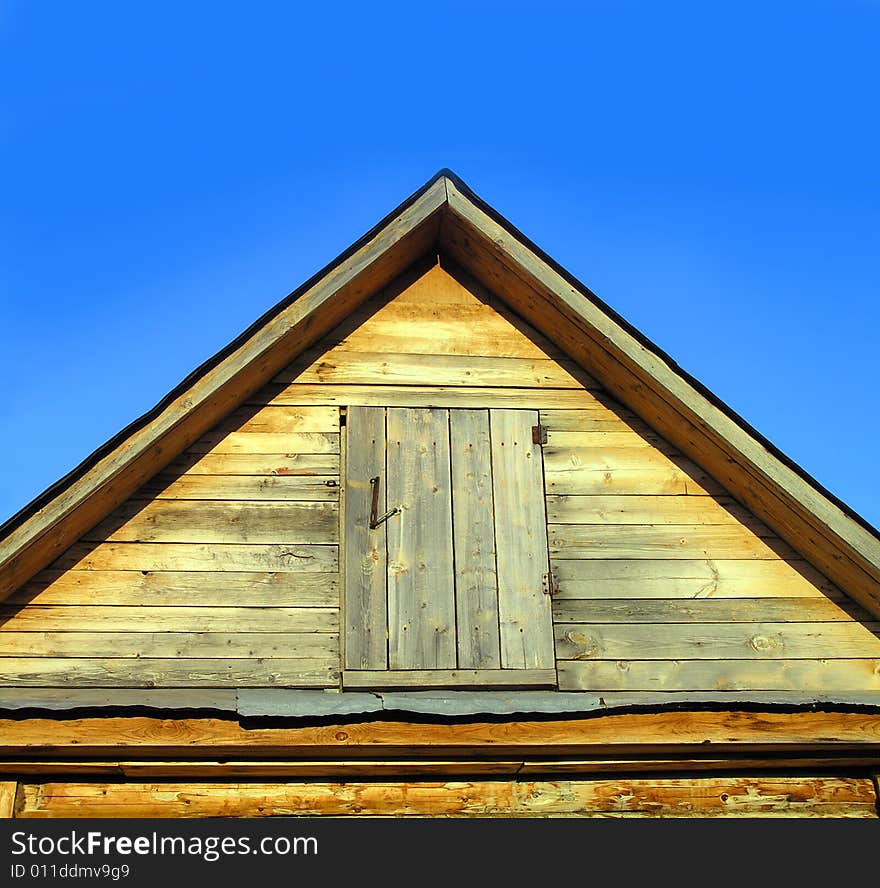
(451, 678)
(680, 732)
(689, 541)
(279, 421)
(238, 644)
(198, 557)
(419, 396)
(172, 619)
(385, 368)
(164, 521)
(720, 675)
(190, 672)
(421, 582)
(366, 552)
(473, 521)
(705, 610)
(190, 588)
(716, 641)
(683, 578)
(261, 442)
(255, 464)
(8, 790)
(743, 796)
(236, 488)
(521, 541)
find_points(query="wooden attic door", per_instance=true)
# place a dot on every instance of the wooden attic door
(450, 590)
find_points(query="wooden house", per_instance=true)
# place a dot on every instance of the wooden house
(440, 534)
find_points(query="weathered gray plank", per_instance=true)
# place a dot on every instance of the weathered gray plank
(169, 521)
(205, 645)
(157, 673)
(65, 698)
(715, 641)
(421, 582)
(446, 678)
(817, 676)
(706, 610)
(476, 583)
(521, 541)
(366, 556)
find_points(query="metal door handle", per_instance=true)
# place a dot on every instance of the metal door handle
(375, 519)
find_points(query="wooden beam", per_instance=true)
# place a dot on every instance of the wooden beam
(702, 732)
(792, 796)
(192, 412)
(835, 543)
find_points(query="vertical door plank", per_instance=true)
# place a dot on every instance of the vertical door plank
(366, 644)
(473, 523)
(421, 582)
(520, 541)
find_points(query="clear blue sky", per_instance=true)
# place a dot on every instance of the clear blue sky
(171, 170)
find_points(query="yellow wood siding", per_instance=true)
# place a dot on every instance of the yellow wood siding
(223, 570)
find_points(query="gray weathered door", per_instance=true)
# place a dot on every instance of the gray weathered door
(450, 589)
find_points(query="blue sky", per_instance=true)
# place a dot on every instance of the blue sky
(170, 171)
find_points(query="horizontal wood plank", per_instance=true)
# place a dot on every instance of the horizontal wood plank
(694, 578)
(706, 610)
(73, 618)
(262, 442)
(603, 509)
(208, 521)
(791, 796)
(690, 541)
(719, 675)
(162, 643)
(280, 420)
(256, 464)
(232, 488)
(604, 414)
(142, 672)
(445, 678)
(382, 368)
(716, 641)
(421, 396)
(190, 588)
(197, 557)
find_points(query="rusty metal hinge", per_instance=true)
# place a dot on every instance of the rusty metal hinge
(539, 434)
(549, 585)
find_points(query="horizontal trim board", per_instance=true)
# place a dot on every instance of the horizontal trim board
(695, 797)
(238, 488)
(463, 678)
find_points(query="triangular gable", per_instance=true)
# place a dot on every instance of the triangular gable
(446, 216)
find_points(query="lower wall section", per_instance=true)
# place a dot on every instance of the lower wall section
(719, 796)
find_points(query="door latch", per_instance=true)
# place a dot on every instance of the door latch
(375, 519)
